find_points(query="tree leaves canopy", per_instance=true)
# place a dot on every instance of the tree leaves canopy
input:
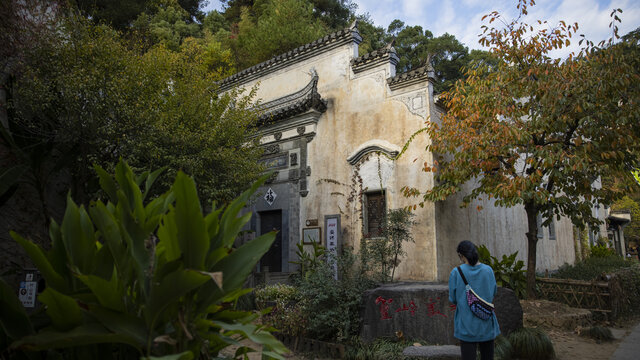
(536, 131)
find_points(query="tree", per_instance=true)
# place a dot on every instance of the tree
(373, 37)
(631, 231)
(94, 98)
(120, 14)
(539, 132)
(277, 27)
(417, 47)
(168, 24)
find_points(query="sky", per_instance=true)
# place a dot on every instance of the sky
(462, 18)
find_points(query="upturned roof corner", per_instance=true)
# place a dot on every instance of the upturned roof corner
(423, 73)
(293, 104)
(375, 58)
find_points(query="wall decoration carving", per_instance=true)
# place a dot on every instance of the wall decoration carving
(271, 149)
(415, 103)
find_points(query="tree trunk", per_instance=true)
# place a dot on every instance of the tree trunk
(4, 118)
(532, 242)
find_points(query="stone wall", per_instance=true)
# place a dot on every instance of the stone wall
(422, 311)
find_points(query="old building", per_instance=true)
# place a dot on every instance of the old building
(333, 124)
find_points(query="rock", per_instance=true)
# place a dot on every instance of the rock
(440, 352)
(508, 310)
(421, 310)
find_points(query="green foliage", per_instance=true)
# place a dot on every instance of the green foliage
(631, 231)
(90, 96)
(332, 306)
(287, 313)
(532, 344)
(379, 349)
(308, 261)
(602, 251)
(508, 271)
(502, 348)
(599, 333)
(592, 268)
(381, 255)
(276, 27)
(155, 275)
(168, 24)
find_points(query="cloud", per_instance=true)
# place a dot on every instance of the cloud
(462, 18)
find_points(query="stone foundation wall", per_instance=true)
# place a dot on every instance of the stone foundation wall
(422, 311)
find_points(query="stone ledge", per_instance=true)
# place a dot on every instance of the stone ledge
(436, 352)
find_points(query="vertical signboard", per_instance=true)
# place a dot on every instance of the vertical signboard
(28, 290)
(332, 232)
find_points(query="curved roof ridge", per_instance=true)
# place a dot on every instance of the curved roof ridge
(425, 72)
(294, 103)
(300, 53)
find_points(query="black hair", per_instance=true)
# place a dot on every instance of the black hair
(469, 251)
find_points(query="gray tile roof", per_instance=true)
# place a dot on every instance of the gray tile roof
(411, 77)
(374, 58)
(297, 103)
(300, 53)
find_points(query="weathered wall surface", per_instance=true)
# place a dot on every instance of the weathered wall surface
(502, 230)
(361, 111)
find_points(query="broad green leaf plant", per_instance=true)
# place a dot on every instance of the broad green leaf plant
(153, 278)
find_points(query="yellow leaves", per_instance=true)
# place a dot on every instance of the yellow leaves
(479, 207)
(578, 141)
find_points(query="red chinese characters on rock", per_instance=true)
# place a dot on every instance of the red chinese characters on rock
(431, 309)
(411, 308)
(384, 307)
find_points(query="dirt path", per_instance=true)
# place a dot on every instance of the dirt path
(564, 326)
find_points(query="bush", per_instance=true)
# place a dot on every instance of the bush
(599, 333)
(287, 313)
(532, 344)
(133, 279)
(602, 251)
(379, 349)
(380, 255)
(592, 268)
(332, 306)
(509, 273)
(503, 348)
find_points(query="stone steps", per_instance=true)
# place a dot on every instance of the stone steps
(433, 352)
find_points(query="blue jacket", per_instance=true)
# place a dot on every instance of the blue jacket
(467, 327)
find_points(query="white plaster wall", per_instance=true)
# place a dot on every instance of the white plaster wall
(360, 109)
(502, 230)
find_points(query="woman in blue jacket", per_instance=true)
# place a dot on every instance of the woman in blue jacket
(469, 329)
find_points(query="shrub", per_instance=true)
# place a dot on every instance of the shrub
(503, 348)
(509, 273)
(379, 349)
(333, 306)
(381, 255)
(307, 261)
(143, 279)
(599, 333)
(287, 308)
(532, 344)
(601, 251)
(592, 268)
